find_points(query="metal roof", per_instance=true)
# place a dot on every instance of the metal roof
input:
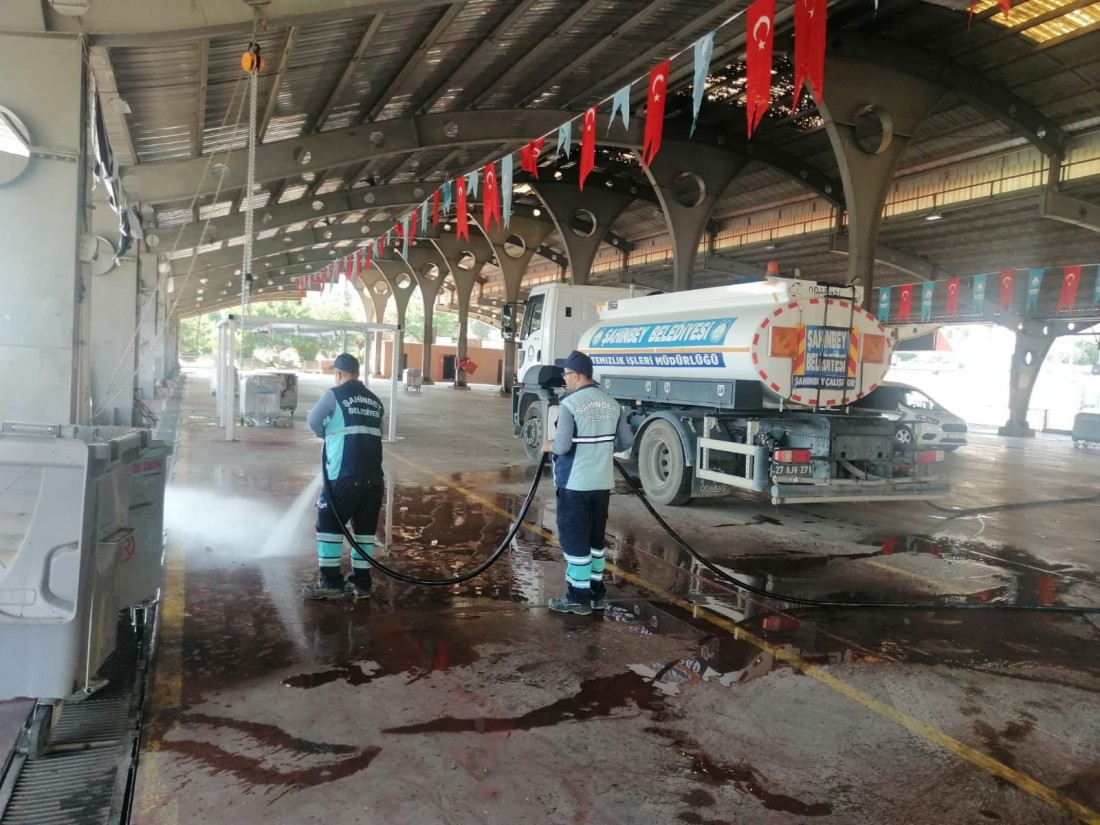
(355, 71)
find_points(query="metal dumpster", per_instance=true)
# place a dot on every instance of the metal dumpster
(412, 379)
(1086, 429)
(261, 398)
(67, 535)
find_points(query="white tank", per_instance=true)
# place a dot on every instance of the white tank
(805, 346)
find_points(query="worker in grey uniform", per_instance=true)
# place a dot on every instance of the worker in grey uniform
(349, 418)
(592, 427)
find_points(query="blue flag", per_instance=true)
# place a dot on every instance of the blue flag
(704, 50)
(471, 186)
(977, 285)
(883, 303)
(1034, 284)
(506, 186)
(565, 138)
(424, 217)
(620, 103)
(405, 236)
(447, 198)
(928, 291)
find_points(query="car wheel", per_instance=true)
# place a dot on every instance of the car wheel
(903, 436)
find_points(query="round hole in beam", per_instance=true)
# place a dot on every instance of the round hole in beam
(450, 129)
(688, 189)
(873, 129)
(377, 138)
(381, 288)
(429, 272)
(514, 246)
(403, 280)
(583, 223)
(467, 261)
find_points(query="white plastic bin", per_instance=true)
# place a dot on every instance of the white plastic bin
(261, 398)
(65, 529)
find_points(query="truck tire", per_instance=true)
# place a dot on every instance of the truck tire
(666, 478)
(532, 433)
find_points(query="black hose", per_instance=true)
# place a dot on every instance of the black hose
(477, 571)
(797, 600)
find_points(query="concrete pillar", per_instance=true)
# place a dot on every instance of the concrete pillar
(573, 211)
(402, 285)
(112, 339)
(1032, 347)
(44, 320)
(375, 295)
(429, 267)
(870, 115)
(689, 178)
(514, 247)
(454, 252)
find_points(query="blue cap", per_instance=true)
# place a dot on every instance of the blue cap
(576, 361)
(345, 362)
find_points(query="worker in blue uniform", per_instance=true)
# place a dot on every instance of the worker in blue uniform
(592, 427)
(349, 418)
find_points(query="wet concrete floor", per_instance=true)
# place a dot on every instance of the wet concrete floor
(687, 702)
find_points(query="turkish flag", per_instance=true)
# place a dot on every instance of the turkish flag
(758, 60)
(1006, 6)
(905, 302)
(1068, 298)
(463, 228)
(588, 144)
(435, 208)
(655, 112)
(1006, 288)
(951, 306)
(809, 46)
(529, 157)
(491, 201)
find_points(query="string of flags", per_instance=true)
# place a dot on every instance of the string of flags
(993, 294)
(495, 179)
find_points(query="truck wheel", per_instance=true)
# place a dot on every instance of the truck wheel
(532, 433)
(666, 478)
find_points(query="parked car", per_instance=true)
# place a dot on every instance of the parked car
(919, 421)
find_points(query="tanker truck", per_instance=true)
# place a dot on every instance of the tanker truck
(734, 388)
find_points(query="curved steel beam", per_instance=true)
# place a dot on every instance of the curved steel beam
(979, 91)
(180, 180)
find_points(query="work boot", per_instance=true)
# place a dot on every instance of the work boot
(358, 584)
(563, 604)
(323, 588)
(599, 602)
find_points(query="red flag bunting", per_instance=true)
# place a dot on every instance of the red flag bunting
(588, 144)
(655, 112)
(529, 157)
(809, 46)
(412, 226)
(368, 263)
(1070, 279)
(905, 302)
(381, 245)
(951, 307)
(397, 228)
(491, 198)
(463, 228)
(1006, 288)
(758, 59)
(435, 208)
(1006, 6)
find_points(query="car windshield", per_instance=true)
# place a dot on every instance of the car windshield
(918, 400)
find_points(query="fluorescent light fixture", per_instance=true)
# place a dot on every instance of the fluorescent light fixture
(934, 215)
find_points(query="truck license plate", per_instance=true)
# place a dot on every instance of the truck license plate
(793, 469)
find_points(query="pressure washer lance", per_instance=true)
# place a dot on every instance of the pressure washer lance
(477, 571)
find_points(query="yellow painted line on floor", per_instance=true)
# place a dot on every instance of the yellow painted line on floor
(940, 585)
(927, 732)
